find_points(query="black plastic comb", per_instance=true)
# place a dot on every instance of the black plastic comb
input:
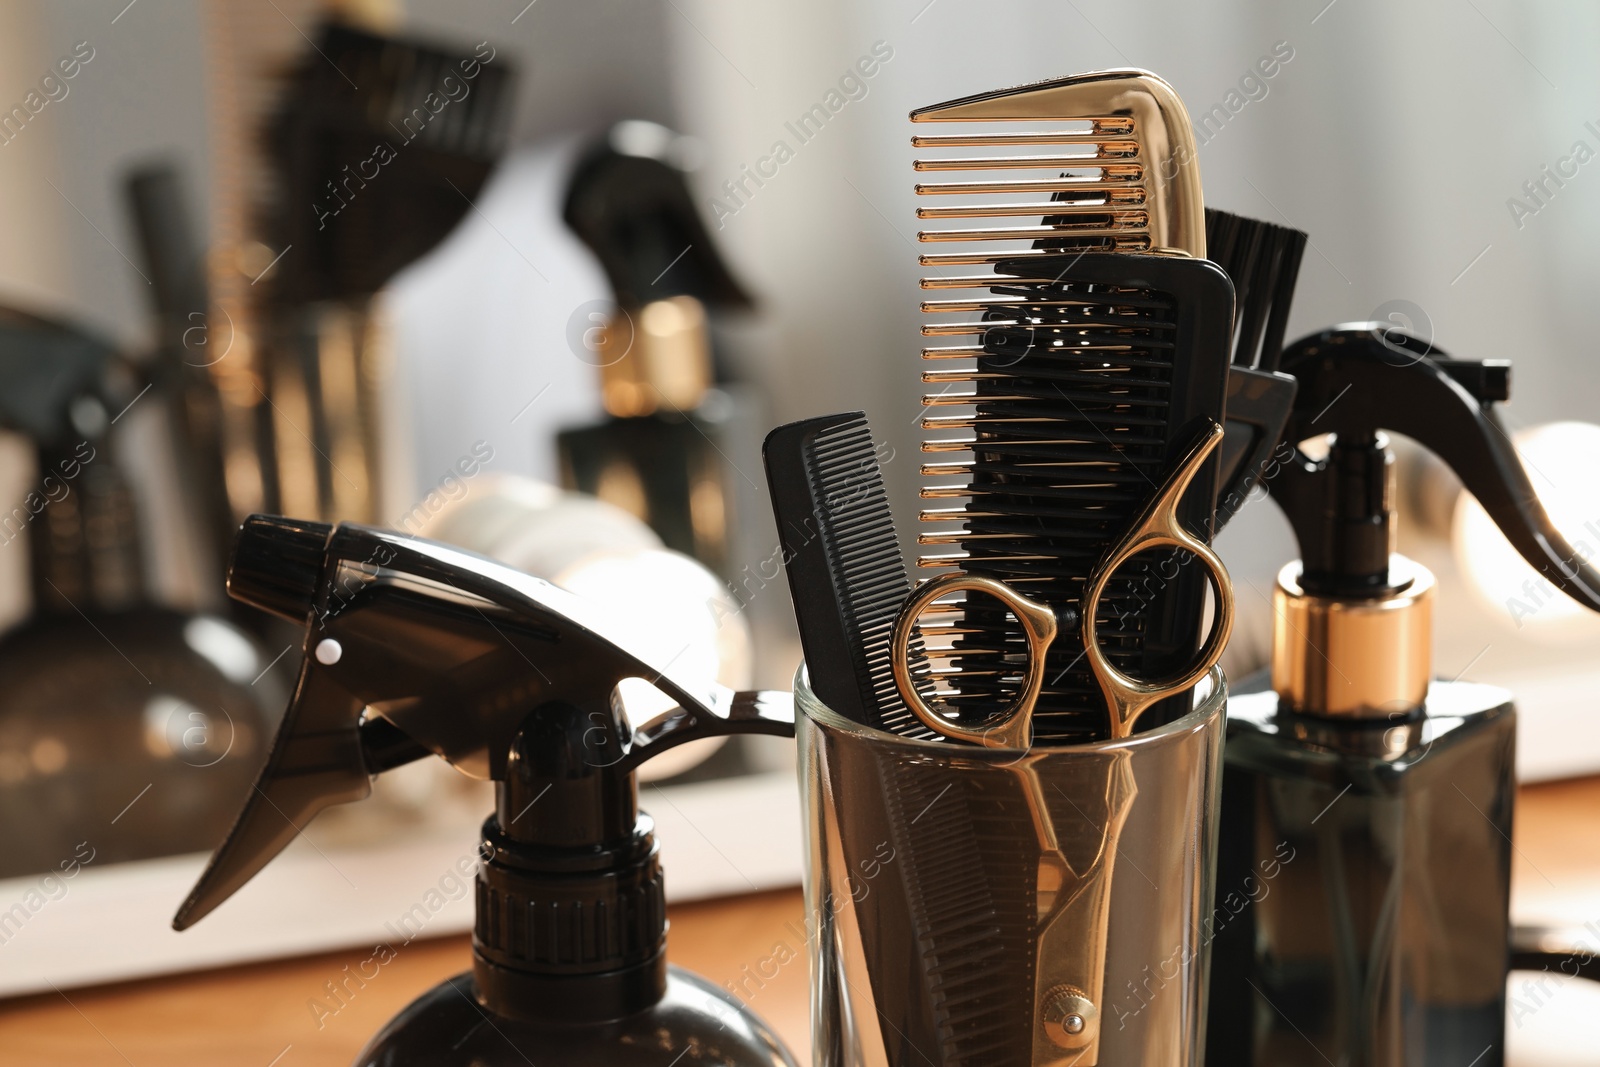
(175, 260)
(843, 562)
(1092, 373)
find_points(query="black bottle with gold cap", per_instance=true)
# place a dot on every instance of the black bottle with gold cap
(1364, 868)
(661, 453)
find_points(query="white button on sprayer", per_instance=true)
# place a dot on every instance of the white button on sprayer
(328, 651)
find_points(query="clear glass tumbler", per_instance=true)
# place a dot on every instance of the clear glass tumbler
(981, 906)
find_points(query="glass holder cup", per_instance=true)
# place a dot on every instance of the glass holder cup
(974, 906)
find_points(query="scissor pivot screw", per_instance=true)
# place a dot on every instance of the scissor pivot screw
(1070, 1019)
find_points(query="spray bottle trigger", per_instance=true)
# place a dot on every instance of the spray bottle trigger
(315, 762)
(448, 654)
(727, 713)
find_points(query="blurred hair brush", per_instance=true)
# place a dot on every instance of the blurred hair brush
(380, 143)
(378, 147)
(1099, 348)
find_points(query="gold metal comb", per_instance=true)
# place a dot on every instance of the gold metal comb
(1118, 161)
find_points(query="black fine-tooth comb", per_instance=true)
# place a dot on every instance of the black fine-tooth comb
(1085, 392)
(954, 940)
(846, 573)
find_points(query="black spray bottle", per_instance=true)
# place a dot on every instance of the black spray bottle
(414, 649)
(1364, 868)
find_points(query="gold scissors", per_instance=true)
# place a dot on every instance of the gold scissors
(1156, 526)
(1072, 903)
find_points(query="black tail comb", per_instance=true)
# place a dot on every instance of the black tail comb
(1091, 375)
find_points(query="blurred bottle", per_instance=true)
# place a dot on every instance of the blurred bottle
(673, 412)
(126, 725)
(657, 456)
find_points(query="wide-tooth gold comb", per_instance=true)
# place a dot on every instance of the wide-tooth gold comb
(1123, 178)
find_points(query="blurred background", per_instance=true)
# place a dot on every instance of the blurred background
(382, 261)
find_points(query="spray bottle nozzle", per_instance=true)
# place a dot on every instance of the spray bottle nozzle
(277, 563)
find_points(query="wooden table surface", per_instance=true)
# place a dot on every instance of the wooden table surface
(259, 1015)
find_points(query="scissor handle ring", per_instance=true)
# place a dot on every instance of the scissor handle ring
(1013, 727)
(1159, 527)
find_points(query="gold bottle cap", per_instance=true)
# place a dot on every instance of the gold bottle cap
(1354, 658)
(654, 357)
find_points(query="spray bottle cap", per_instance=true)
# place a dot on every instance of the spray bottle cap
(1351, 596)
(415, 648)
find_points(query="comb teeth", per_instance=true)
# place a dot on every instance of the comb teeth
(969, 876)
(1115, 160)
(1059, 390)
(864, 555)
(1070, 393)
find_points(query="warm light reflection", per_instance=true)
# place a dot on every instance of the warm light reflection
(1560, 460)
